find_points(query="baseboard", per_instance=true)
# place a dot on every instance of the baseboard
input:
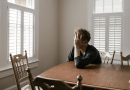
(14, 87)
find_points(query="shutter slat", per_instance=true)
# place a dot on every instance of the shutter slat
(14, 31)
(115, 25)
(99, 32)
(28, 33)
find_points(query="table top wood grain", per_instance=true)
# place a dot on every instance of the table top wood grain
(105, 76)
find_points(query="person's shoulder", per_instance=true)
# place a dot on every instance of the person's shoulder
(91, 47)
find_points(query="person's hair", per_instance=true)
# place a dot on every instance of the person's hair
(85, 33)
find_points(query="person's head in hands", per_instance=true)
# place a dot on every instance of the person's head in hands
(82, 37)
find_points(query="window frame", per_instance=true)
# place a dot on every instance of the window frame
(89, 26)
(103, 7)
(22, 9)
(5, 66)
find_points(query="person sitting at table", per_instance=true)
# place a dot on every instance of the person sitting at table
(82, 53)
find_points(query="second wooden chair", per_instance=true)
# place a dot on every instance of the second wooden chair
(127, 58)
(105, 55)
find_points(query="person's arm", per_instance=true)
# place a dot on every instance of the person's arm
(81, 62)
(77, 44)
(71, 55)
(76, 52)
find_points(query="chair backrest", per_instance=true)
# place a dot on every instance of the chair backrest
(127, 58)
(107, 55)
(52, 84)
(19, 64)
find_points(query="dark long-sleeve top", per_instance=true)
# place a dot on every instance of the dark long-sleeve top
(91, 56)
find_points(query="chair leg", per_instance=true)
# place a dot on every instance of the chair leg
(128, 62)
(38, 88)
(107, 60)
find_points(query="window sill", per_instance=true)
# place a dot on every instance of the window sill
(8, 70)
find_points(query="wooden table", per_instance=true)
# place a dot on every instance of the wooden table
(105, 76)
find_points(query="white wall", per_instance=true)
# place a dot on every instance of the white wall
(72, 14)
(48, 40)
(48, 34)
(126, 42)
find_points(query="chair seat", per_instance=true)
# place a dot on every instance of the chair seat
(26, 87)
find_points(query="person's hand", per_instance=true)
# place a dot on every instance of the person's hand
(77, 40)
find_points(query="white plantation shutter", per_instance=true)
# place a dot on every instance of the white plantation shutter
(115, 32)
(14, 31)
(99, 22)
(108, 32)
(28, 33)
(108, 25)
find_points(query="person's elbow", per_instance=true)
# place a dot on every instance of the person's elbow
(79, 66)
(67, 60)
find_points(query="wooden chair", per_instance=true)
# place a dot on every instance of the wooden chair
(51, 84)
(19, 64)
(127, 58)
(105, 55)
